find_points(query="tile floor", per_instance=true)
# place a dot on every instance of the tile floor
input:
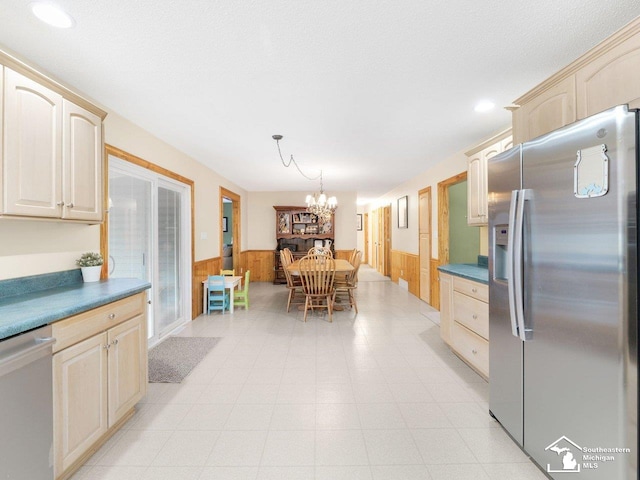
(373, 396)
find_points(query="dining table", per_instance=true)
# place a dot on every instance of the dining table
(230, 283)
(343, 267)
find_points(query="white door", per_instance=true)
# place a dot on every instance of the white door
(149, 238)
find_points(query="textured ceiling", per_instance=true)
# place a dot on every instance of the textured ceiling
(373, 92)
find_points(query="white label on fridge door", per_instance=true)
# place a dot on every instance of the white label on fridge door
(591, 172)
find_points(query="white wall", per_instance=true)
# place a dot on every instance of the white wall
(262, 218)
(406, 239)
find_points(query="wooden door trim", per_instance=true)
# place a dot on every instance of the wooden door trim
(425, 191)
(443, 215)
(235, 223)
(104, 226)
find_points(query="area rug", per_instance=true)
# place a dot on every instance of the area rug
(173, 359)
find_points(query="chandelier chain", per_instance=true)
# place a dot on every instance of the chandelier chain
(295, 164)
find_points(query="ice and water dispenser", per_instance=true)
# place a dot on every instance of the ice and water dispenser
(501, 236)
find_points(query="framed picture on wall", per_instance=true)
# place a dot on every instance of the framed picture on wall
(225, 224)
(403, 215)
(358, 221)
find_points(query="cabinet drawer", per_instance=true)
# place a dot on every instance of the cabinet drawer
(79, 327)
(472, 313)
(472, 289)
(471, 347)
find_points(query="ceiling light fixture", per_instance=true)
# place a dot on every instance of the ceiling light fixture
(484, 106)
(52, 15)
(317, 203)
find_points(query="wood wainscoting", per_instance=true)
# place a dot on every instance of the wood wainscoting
(406, 266)
(260, 262)
(201, 270)
(342, 254)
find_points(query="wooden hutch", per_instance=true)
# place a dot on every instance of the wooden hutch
(299, 230)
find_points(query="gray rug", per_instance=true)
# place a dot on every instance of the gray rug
(173, 359)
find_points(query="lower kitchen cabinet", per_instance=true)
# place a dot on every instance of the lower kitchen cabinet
(99, 374)
(464, 320)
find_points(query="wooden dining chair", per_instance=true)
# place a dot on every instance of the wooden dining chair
(294, 283)
(317, 273)
(228, 273)
(326, 251)
(218, 296)
(347, 287)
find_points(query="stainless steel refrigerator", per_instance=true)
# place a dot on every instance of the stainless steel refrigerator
(563, 292)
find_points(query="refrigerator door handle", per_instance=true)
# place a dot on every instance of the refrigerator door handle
(510, 262)
(518, 281)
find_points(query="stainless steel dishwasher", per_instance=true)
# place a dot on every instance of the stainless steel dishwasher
(26, 406)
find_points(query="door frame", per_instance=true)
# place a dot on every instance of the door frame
(426, 191)
(235, 224)
(104, 226)
(443, 215)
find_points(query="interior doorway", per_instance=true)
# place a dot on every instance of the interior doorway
(381, 239)
(461, 231)
(424, 243)
(229, 229)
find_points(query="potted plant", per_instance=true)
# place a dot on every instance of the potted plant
(91, 264)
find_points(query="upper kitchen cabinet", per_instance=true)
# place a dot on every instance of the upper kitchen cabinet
(606, 76)
(612, 78)
(477, 205)
(544, 111)
(51, 150)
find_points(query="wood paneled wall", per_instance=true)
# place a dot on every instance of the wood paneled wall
(409, 265)
(260, 262)
(201, 270)
(342, 254)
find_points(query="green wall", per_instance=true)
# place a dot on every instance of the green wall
(464, 241)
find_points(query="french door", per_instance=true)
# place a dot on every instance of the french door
(149, 238)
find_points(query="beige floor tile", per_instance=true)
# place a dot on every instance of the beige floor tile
(459, 472)
(340, 447)
(229, 473)
(343, 473)
(187, 448)
(513, 471)
(492, 445)
(337, 416)
(289, 448)
(401, 472)
(391, 447)
(238, 448)
(442, 445)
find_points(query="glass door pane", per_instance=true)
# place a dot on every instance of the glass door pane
(130, 229)
(169, 258)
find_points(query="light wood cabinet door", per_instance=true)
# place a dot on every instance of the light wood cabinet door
(610, 79)
(79, 399)
(548, 111)
(32, 150)
(82, 163)
(446, 307)
(127, 366)
(476, 181)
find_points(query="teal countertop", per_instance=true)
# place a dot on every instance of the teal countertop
(25, 311)
(470, 271)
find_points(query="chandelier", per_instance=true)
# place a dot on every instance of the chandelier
(317, 203)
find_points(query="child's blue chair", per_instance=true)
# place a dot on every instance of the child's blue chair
(218, 295)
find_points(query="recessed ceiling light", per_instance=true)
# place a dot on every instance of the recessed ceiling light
(484, 106)
(52, 15)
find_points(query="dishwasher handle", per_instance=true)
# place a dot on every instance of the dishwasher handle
(39, 348)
